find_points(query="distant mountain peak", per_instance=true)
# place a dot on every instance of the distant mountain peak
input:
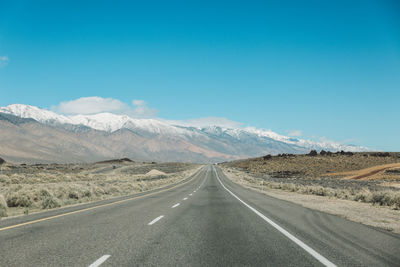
(38, 114)
(210, 140)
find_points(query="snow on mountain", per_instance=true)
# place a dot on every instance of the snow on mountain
(102, 121)
(41, 115)
(112, 122)
(317, 145)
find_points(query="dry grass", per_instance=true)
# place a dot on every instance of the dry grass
(305, 166)
(27, 188)
(352, 204)
(365, 177)
(3, 207)
(386, 197)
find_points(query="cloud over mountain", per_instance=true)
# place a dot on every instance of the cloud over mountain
(96, 104)
(295, 133)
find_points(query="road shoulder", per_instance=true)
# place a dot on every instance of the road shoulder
(377, 216)
(15, 221)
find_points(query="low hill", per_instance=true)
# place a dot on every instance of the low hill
(336, 165)
(115, 161)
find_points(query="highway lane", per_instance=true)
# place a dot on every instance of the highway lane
(343, 242)
(79, 239)
(199, 223)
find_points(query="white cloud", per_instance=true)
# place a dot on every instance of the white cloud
(91, 105)
(138, 102)
(142, 110)
(4, 61)
(96, 104)
(295, 133)
(209, 121)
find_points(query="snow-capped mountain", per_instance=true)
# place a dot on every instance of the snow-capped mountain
(32, 112)
(120, 135)
(102, 121)
(317, 145)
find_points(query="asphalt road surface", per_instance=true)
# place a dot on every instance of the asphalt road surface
(204, 221)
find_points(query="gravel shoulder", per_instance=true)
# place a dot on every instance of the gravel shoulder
(378, 216)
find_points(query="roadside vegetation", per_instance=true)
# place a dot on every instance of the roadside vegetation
(28, 188)
(364, 177)
(314, 165)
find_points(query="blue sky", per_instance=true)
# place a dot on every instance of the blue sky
(325, 68)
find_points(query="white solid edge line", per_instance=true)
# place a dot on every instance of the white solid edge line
(185, 198)
(300, 243)
(176, 205)
(156, 220)
(99, 261)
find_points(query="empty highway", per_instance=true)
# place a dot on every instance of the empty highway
(206, 220)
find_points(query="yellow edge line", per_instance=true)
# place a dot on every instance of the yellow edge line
(95, 207)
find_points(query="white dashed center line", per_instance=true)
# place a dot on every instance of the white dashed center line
(176, 205)
(156, 220)
(185, 198)
(99, 261)
(190, 194)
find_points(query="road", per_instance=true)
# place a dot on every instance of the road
(206, 220)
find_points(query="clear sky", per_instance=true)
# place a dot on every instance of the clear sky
(314, 68)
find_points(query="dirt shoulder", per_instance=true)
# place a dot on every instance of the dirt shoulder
(365, 213)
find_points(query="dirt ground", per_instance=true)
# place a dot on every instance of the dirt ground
(334, 165)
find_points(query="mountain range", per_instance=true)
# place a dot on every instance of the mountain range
(34, 135)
